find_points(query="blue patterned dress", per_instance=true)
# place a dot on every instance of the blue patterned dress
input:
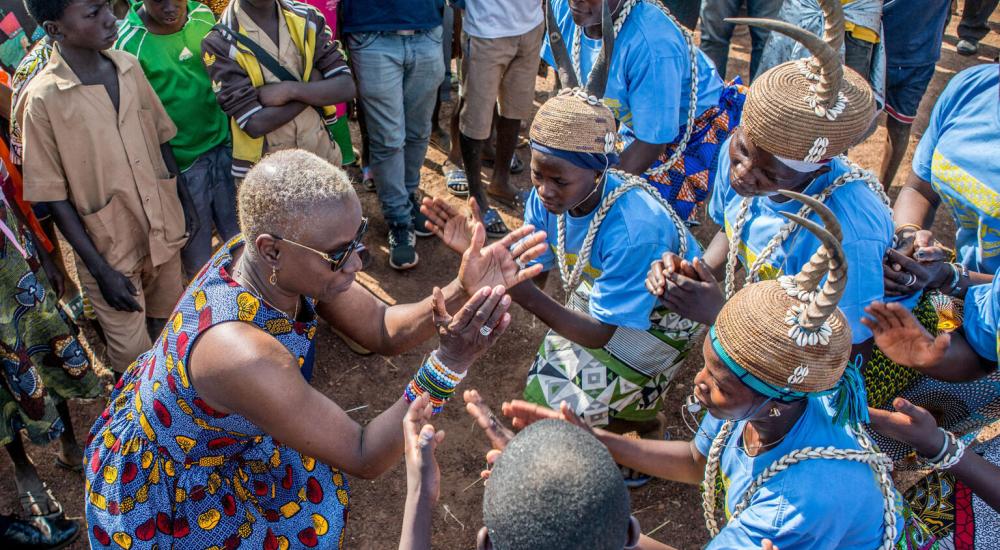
(166, 470)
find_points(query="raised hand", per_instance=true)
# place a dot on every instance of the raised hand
(476, 327)
(420, 440)
(451, 226)
(902, 338)
(503, 262)
(689, 289)
(524, 414)
(497, 433)
(908, 424)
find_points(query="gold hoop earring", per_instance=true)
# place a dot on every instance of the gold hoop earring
(273, 279)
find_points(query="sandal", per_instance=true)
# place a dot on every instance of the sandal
(457, 182)
(516, 202)
(495, 228)
(32, 508)
(516, 164)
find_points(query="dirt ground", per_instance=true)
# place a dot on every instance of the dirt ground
(668, 511)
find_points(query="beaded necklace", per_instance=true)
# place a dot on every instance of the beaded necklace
(571, 279)
(742, 215)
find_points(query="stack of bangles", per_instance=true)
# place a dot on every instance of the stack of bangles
(959, 271)
(946, 457)
(434, 379)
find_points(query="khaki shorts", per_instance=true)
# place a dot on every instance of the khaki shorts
(498, 68)
(159, 289)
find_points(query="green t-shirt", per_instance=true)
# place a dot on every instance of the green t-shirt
(173, 66)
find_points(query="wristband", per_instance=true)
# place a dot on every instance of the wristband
(946, 459)
(435, 379)
(905, 226)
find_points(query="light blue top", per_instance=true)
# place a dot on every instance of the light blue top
(816, 504)
(650, 76)
(866, 223)
(981, 319)
(635, 232)
(959, 155)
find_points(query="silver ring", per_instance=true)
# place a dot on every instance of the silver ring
(520, 264)
(913, 279)
(485, 330)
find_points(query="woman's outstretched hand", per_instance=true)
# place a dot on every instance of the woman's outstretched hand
(476, 327)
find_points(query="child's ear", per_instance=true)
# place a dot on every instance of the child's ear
(483, 541)
(52, 29)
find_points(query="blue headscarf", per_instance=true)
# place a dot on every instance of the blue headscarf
(589, 161)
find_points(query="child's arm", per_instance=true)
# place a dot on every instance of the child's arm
(423, 476)
(116, 288)
(238, 97)
(573, 325)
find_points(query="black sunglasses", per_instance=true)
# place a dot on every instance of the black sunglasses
(338, 257)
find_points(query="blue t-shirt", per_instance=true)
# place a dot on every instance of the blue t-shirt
(650, 76)
(816, 504)
(389, 15)
(959, 155)
(865, 220)
(635, 232)
(912, 34)
(981, 319)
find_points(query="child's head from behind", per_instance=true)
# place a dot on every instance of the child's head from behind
(82, 24)
(167, 16)
(556, 487)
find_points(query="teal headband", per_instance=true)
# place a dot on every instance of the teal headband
(850, 403)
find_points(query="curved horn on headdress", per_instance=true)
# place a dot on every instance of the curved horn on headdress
(812, 273)
(825, 51)
(824, 304)
(598, 81)
(564, 67)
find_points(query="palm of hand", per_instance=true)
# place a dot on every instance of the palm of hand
(491, 266)
(909, 345)
(457, 233)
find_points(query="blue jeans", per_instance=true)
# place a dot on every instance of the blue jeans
(213, 191)
(398, 77)
(716, 33)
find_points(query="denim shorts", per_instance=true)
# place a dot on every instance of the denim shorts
(904, 88)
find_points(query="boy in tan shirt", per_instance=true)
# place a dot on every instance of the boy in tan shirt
(96, 151)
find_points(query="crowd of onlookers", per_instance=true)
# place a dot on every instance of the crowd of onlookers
(132, 126)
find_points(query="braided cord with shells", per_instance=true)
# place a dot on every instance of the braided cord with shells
(571, 279)
(880, 464)
(623, 14)
(735, 240)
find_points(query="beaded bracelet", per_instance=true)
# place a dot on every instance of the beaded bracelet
(945, 459)
(434, 379)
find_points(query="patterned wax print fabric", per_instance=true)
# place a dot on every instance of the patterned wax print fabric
(43, 358)
(802, 506)
(981, 319)
(866, 222)
(955, 517)
(963, 408)
(958, 156)
(27, 69)
(625, 379)
(18, 32)
(165, 470)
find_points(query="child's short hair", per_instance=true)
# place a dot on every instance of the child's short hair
(46, 10)
(556, 487)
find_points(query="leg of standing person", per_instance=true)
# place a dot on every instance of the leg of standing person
(198, 179)
(379, 60)
(904, 88)
(974, 25)
(422, 76)
(716, 33)
(767, 9)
